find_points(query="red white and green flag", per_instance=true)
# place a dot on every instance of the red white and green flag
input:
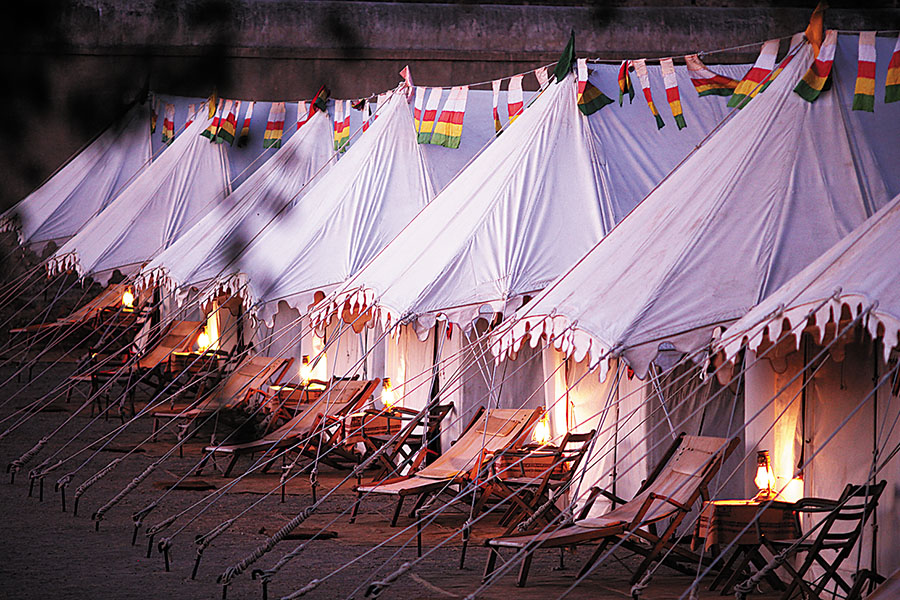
(153, 114)
(624, 80)
(228, 123)
(542, 77)
(303, 113)
(244, 136)
(756, 76)
(418, 104)
(816, 78)
(191, 114)
(274, 126)
(430, 115)
(892, 83)
(495, 87)
(515, 101)
(864, 93)
(590, 99)
(341, 125)
(168, 132)
(640, 69)
(672, 95)
(793, 46)
(706, 82)
(448, 130)
(213, 127)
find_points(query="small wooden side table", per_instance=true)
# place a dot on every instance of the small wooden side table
(722, 522)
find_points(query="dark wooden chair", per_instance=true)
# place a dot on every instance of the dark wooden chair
(409, 451)
(840, 529)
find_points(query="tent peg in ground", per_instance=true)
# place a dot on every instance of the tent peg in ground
(260, 574)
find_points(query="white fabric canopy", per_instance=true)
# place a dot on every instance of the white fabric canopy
(345, 217)
(859, 272)
(769, 192)
(86, 185)
(188, 179)
(530, 204)
(209, 248)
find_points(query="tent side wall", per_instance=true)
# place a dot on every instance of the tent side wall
(809, 426)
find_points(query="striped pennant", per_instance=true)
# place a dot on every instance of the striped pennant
(191, 114)
(429, 116)
(153, 115)
(864, 93)
(756, 76)
(303, 113)
(213, 127)
(228, 123)
(640, 69)
(366, 115)
(417, 107)
(448, 130)
(168, 132)
(341, 125)
(706, 82)
(495, 87)
(812, 84)
(672, 94)
(542, 77)
(625, 86)
(514, 99)
(795, 42)
(244, 137)
(892, 83)
(590, 99)
(274, 126)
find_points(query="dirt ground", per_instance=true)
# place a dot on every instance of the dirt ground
(48, 553)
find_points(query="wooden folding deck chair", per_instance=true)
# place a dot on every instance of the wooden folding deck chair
(241, 386)
(841, 527)
(303, 430)
(528, 487)
(110, 297)
(409, 451)
(485, 436)
(679, 480)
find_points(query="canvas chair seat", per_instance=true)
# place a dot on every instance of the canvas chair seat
(670, 491)
(343, 397)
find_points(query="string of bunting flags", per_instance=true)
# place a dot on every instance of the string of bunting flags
(438, 117)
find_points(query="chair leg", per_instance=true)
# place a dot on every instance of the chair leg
(397, 510)
(601, 547)
(523, 570)
(491, 563)
(234, 459)
(355, 510)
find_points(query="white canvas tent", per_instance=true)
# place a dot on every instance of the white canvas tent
(188, 179)
(858, 273)
(767, 194)
(86, 185)
(208, 248)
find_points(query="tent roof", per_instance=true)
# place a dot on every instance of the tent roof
(773, 189)
(343, 219)
(181, 185)
(858, 272)
(86, 185)
(529, 205)
(207, 249)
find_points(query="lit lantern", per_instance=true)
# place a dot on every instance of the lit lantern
(203, 341)
(305, 370)
(388, 399)
(765, 477)
(541, 433)
(128, 300)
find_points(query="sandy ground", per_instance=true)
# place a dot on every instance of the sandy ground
(48, 553)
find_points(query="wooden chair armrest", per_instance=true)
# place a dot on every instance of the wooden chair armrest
(815, 505)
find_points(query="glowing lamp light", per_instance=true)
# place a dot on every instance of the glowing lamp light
(203, 341)
(128, 299)
(541, 433)
(765, 477)
(305, 370)
(388, 399)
